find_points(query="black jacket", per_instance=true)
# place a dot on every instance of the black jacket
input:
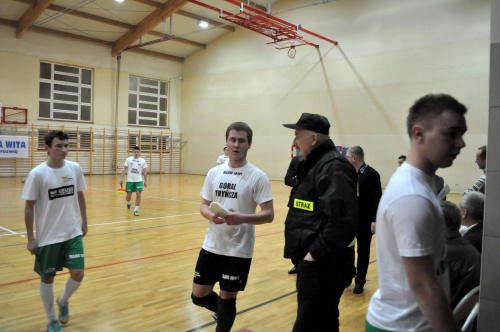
(475, 236)
(370, 191)
(322, 215)
(294, 170)
(464, 262)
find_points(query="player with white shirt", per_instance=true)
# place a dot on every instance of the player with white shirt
(137, 178)
(227, 251)
(55, 202)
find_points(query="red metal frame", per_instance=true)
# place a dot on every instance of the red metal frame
(22, 110)
(263, 23)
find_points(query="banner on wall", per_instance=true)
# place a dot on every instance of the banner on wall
(14, 146)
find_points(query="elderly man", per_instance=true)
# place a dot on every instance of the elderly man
(369, 193)
(321, 225)
(481, 163)
(472, 207)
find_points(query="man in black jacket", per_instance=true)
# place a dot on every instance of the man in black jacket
(369, 193)
(464, 261)
(472, 207)
(321, 225)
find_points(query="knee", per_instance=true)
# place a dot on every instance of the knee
(77, 275)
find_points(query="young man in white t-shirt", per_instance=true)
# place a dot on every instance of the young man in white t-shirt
(227, 251)
(54, 199)
(414, 293)
(137, 178)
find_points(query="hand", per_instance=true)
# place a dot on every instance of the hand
(233, 218)
(373, 227)
(32, 246)
(218, 219)
(309, 258)
(85, 229)
(145, 184)
(121, 183)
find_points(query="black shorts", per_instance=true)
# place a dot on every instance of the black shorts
(230, 272)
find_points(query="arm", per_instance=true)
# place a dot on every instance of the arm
(430, 296)
(29, 218)
(125, 169)
(145, 176)
(83, 212)
(266, 215)
(478, 184)
(376, 194)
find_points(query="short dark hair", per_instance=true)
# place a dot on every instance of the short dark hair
(483, 151)
(225, 148)
(49, 138)
(452, 215)
(402, 157)
(136, 148)
(430, 106)
(473, 202)
(240, 126)
(358, 152)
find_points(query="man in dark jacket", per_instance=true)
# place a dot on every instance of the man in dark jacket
(369, 193)
(464, 261)
(321, 225)
(472, 207)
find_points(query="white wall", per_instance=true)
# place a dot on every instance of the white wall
(391, 53)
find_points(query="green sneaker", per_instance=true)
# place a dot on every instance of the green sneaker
(54, 327)
(136, 213)
(63, 312)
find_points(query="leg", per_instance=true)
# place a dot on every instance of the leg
(47, 296)
(204, 296)
(137, 199)
(364, 239)
(128, 198)
(227, 311)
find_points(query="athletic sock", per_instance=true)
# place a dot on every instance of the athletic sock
(47, 296)
(136, 208)
(71, 287)
(226, 315)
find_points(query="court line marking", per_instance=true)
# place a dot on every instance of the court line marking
(12, 232)
(116, 222)
(123, 262)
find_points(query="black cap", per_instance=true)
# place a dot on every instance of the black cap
(313, 122)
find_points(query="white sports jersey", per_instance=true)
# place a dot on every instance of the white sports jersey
(410, 223)
(135, 167)
(57, 212)
(242, 189)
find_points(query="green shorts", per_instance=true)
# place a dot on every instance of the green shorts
(371, 328)
(54, 257)
(132, 187)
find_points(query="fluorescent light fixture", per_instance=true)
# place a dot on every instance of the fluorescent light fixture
(119, 0)
(203, 24)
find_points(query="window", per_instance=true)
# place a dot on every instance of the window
(147, 102)
(76, 141)
(65, 92)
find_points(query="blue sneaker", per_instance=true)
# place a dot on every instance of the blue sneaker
(54, 327)
(136, 213)
(128, 206)
(63, 312)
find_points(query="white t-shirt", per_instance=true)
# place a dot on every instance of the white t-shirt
(135, 167)
(223, 159)
(410, 223)
(57, 212)
(242, 189)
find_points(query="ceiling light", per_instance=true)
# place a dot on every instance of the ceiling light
(119, 0)
(203, 24)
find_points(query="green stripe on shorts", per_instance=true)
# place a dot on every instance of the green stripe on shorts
(370, 328)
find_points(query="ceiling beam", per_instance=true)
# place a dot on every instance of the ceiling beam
(68, 11)
(189, 15)
(30, 16)
(90, 40)
(146, 25)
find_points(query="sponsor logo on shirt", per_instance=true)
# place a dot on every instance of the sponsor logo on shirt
(233, 173)
(61, 192)
(67, 178)
(228, 190)
(303, 205)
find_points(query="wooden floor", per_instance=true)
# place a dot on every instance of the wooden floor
(139, 269)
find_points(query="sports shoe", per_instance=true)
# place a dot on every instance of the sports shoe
(128, 206)
(358, 289)
(54, 327)
(215, 316)
(293, 270)
(63, 312)
(136, 213)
